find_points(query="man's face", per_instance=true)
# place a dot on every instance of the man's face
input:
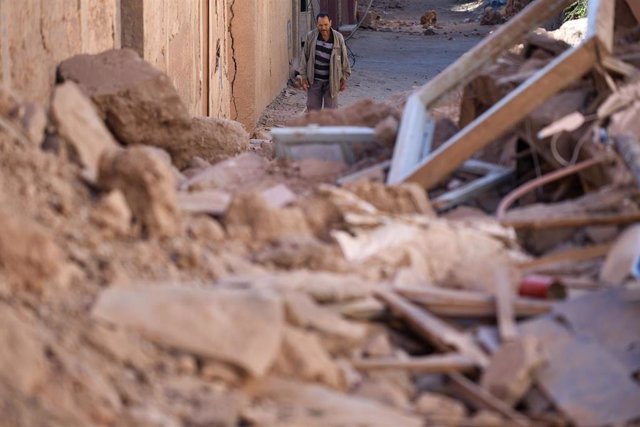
(324, 26)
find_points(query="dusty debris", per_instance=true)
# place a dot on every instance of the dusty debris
(366, 112)
(80, 126)
(199, 321)
(148, 185)
(29, 256)
(113, 213)
(211, 140)
(138, 102)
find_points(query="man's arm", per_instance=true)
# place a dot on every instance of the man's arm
(346, 66)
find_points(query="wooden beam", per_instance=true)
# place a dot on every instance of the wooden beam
(600, 22)
(504, 304)
(436, 331)
(531, 17)
(584, 220)
(436, 364)
(459, 303)
(480, 398)
(569, 255)
(558, 74)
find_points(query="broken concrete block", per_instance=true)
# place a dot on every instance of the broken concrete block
(243, 328)
(440, 409)
(28, 254)
(139, 103)
(80, 126)
(211, 139)
(304, 357)
(112, 213)
(512, 368)
(148, 185)
(250, 218)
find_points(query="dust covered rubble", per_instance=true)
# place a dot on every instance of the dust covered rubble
(120, 308)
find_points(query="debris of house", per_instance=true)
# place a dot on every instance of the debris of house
(186, 281)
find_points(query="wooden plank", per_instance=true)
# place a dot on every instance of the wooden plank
(437, 364)
(570, 255)
(504, 305)
(480, 398)
(448, 302)
(533, 16)
(616, 65)
(558, 74)
(600, 22)
(409, 144)
(436, 331)
(583, 220)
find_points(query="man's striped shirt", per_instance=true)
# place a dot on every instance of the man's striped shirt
(323, 58)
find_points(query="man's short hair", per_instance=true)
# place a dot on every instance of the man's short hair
(322, 15)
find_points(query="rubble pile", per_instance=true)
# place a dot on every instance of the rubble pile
(154, 273)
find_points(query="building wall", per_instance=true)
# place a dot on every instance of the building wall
(36, 35)
(261, 40)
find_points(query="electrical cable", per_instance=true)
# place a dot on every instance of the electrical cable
(364, 16)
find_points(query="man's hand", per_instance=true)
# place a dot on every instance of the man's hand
(305, 84)
(343, 85)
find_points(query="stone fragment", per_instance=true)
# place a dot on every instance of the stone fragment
(139, 103)
(80, 126)
(510, 373)
(148, 185)
(440, 409)
(243, 328)
(304, 357)
(300, 404)
(429, 18)
(250, 218)
(384, 392)
(112, 213)
(387, 130)
(212, 140)
(33, 118)
(302, 311)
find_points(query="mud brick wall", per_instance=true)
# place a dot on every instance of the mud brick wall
(35, 36)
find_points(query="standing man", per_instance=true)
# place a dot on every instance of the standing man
(325, 65)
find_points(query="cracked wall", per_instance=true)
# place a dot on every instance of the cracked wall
(35, 35)
(261, 33)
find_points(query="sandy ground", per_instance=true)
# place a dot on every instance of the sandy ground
(397, 58)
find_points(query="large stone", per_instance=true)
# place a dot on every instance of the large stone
(138, 102)
(80, 126)
(243, 328)
(148, 184)
(212, 139)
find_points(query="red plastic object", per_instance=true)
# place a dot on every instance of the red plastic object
(541, 286)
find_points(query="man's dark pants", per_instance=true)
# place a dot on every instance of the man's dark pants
(320, 92)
